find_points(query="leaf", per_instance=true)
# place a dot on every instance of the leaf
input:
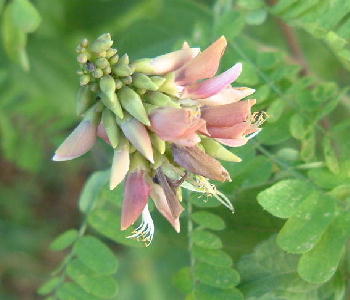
(64, 240)
(215, 276)
(330, 155)
(25, 16)
(107, 223)
(319, 264)
(256, 17)
(96, 255)
(283, 198)
(276, 132)
(214, 257)
(206, 239)
(325, 179)
(14, 40)
(297, 127)
(71, 291)
(305, 227)
(208, 220)
(91, 190)
(269, 271)
(100, 286)
(205, 292)
(49, 286)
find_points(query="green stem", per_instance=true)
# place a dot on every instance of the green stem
(189, 231)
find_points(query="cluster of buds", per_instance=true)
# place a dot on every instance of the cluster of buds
(167, 119)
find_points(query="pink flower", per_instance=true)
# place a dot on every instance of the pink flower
(230, 123)
(177, 125)
(136, 194)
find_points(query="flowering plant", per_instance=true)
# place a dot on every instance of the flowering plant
(167, 119)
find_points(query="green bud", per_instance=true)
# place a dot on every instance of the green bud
(121, 69)
(158, 80)
(107, 70)
(124, 59)
(102, 54)
(111, 101)
(97, 73)
(107, 84)
(85, 98)
(150, 108)
(141, 91)
(142, 81)
(132, 103)
(169, 87)
(157, 143)
(82, 58)
(110, 52)
(84, 43)
(101, 44)
(143, 66)
(84, 79)
(112, 129)
(114, 59)
(218, 151)
(118, 84)
(126, 80)
(93, 87)
(79, 72)
(101, 62)
(160, 99)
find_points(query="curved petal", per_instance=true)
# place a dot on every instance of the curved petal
(205, 65)
(120, 165)
(236, 131)
(213, 85)
(80, 141)
(136, 195)
(101, 133)
(227, 96)
(233, 142)
(227, 115)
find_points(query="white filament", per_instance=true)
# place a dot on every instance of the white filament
(144, 233)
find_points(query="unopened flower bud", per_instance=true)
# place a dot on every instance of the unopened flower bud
(143, 66)
(102, 54)
(120, 164)
(111, 127)
(93, 87)
(110, 52)
(160, 99)
(84, 79)
(158, 143)
(121, 69)
(124, 59)
(169, 86)
(101, 62)
(111, 101)
(218, 151)
(141, 91)
(142, 81)
(114, 59)
(82, 58)
(118, 84)
(84, 43)
(107, 70)
(98, 73)
(158, 80)
(101, 44)
(107, 84)
(85, 98)
(132, 103)
(127, 80)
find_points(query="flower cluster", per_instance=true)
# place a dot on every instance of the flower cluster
(167, 119)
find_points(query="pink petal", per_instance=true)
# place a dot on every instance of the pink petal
(120, 165)
(136, 195)
(174, 124)
(233, 142)
(227, 96)
(80, 141)
(101, 133)
(138, 135)
(213, 85)
(189, 141)
(236, 131)
(159, 198)
(205, 65)
(227, 115)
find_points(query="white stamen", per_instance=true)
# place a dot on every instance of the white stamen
(144, 233)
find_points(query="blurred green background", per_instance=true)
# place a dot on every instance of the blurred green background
(39, 198)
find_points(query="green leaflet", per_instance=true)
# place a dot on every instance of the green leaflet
(283, 198)
(49, 286)
(208, 220)
(96, 255)
(214, 257)
(100, 286)
(64, 240)
(25, 15)
(72, 291)
(319, 264)
(305, 227)
(206, 240)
